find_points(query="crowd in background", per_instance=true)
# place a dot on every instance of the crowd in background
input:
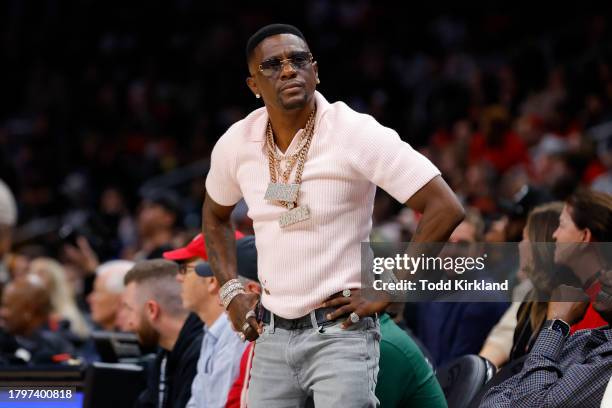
(98, 102)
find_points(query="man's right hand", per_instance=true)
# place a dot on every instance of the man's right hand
(237, 310)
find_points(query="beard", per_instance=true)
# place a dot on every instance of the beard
(147, 335)
(294, 101)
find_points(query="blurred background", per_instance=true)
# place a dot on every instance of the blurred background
(109, 112)
(102, 101)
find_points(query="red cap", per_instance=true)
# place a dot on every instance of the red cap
(195, 249)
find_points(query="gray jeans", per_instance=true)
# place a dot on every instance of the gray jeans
(336, 367)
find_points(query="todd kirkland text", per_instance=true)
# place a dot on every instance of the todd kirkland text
(476, 285)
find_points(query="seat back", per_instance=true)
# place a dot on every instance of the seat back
(462, 378)
(113, 385)
(507, 371)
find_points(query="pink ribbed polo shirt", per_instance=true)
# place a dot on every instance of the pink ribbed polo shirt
(351, 153)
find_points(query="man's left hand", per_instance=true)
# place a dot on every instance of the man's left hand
(353, 304)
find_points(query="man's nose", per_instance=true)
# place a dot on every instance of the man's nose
(287, 70)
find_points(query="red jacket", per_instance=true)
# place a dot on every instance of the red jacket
(236, 398)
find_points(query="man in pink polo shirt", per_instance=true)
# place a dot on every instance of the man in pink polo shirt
(308, 171)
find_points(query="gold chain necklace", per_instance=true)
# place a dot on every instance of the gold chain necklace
(279, 189)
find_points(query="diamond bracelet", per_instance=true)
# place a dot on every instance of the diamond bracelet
(230, 290)
(228, 299)
(229, 286)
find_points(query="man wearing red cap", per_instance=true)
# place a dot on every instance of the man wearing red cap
(198, 295)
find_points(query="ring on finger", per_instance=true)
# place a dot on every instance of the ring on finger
(245, 327)
(250, 313)
(354, 317)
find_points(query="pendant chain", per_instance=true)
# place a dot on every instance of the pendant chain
(298, 156)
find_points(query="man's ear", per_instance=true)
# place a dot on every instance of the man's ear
(315, 66)
(152, 310)
(213, 285)
(252, 84)
(587, 236)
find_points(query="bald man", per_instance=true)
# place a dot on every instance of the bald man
(24, 316)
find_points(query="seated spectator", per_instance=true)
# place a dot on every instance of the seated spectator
(222, 348)
(155, 313)
(586, 217)
(405, 378)
(8, 219)
(497, 143)
(536, 263)
(158, 216)
(105, 299)
(603, 182)
(450, 329)
(563, 370)
(24, 316)
(63, 302)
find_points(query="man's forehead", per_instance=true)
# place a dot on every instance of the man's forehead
(279, 45)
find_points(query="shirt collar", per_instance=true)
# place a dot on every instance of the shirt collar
(258, 131)
(214, 332)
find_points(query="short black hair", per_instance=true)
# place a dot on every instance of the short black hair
(268, 31)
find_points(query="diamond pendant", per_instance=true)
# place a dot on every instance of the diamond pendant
(294, 216)
(282, 192)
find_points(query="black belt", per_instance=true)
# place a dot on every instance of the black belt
(304, 322)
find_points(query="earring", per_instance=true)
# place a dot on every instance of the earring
(318, 81)
(257, 96)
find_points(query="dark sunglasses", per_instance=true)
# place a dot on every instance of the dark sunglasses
(273, 66)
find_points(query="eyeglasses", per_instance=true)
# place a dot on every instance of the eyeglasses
(274, 66)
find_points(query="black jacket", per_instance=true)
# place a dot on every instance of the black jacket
(181, 368)
(42, 346)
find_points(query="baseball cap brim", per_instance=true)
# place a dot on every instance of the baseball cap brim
(204, 270)
(195, 249)
(180, 254)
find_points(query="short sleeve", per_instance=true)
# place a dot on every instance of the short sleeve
(221, 183)
(379, 155)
